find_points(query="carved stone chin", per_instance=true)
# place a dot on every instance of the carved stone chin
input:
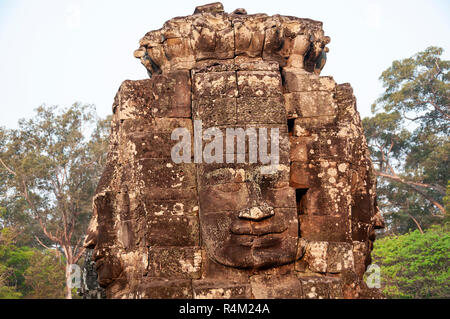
(236, 171)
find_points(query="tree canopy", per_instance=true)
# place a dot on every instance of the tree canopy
(49, 169)
(415, 265)
(409, 141)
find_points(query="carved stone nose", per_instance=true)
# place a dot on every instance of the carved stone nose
(256, 213)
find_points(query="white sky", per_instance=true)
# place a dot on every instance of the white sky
(62, 51)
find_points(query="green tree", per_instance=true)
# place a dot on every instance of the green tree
(45, 275)
(447, 200)
(7, 292)
(415, 265)
(49, 168)
(409, 141)
(29, 272)
(14, 261)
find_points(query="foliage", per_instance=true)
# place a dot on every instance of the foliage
(447, 200)
(418, 89)
(29, 272)
(49, 169)
(415, 265)
(13, 263)
(46, 275)
(7, 292)
(409, 141)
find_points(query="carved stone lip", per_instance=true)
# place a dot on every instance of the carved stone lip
(253, 229)
(263, 241)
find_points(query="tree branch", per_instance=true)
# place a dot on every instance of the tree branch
(7, 168)
(436, 107)
(414, 186)
(40, 242)
(446, 116)
(79, 250)
(417, 224)
(38, 217)
(437, 188)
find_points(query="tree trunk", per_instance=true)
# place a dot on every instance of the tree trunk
(68, 281)
(69, 261)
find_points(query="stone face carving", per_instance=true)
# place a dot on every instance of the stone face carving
(229, 229)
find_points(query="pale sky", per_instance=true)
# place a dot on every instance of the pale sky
(62, 51)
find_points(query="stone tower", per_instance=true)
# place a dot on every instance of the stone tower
(197, 228)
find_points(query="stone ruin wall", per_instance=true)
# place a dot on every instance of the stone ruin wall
(234, 70)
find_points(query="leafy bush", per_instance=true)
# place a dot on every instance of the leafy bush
(415, 265)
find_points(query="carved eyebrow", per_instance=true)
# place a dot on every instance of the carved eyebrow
(225, 173)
